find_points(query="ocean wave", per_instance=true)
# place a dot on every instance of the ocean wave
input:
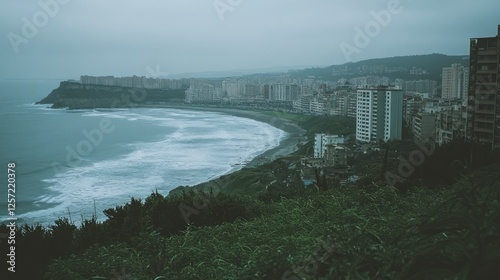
(200, 146)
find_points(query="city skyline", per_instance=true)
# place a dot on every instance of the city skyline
(65, 39)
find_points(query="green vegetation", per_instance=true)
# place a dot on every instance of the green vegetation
(167, 216)
(328, 125)
(252, 181)
(352, 227)
(283, 115)
(424, 164)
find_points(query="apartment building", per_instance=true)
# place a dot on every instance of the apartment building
(455, 82)
(379, 114)
(484, 90)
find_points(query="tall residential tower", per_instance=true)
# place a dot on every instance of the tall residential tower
(484, 90)
(455, 82)
(379, 114)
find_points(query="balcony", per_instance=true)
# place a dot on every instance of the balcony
(483, 129)
(485, 97)
(486, 71)
(484, 111)
(484, 120)
(485, 140)
(485, 82)
(487, 60)
(487, 51)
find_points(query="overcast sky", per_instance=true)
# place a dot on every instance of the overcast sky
(123, 38)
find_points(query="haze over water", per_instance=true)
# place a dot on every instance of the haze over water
(148, 150)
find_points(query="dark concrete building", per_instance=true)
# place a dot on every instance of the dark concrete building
(484, 90)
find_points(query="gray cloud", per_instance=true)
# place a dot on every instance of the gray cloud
(124, 37)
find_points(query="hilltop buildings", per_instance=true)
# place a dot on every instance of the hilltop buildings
(136, 82)
(421, 86)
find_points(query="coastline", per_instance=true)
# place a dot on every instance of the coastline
(288, 145)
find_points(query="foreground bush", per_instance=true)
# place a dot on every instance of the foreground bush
(37, 246)
(351, 233)
(338, 233)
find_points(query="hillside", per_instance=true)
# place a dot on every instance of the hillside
(74, 95)
(393, 67)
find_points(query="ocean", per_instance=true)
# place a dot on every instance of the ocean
(69, 162)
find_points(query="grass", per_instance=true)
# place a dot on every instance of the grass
(297, 118)
(338, 225)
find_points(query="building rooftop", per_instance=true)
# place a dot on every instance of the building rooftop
(498, 35)
(379, 88)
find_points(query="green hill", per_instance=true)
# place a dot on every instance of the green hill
(432, 63)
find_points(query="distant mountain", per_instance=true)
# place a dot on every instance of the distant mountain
(235, 73)
(428, 66)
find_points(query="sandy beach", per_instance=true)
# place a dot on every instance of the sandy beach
(295, 134)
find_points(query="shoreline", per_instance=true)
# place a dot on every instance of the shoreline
(294, 135)
(288, 145)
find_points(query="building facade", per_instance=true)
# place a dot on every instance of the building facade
(411, 106)
(335, 156)
(321, 141)
(344, 104)
(379, 114)
(455, 82)
(424, 126)
(422, 86)
(484, 90)
(451, 124)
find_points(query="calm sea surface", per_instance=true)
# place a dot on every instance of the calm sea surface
(67, 161)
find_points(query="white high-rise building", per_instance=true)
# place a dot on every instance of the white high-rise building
(455, 82)
(379, 114)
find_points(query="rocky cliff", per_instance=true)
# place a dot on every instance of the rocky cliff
(74, 95)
